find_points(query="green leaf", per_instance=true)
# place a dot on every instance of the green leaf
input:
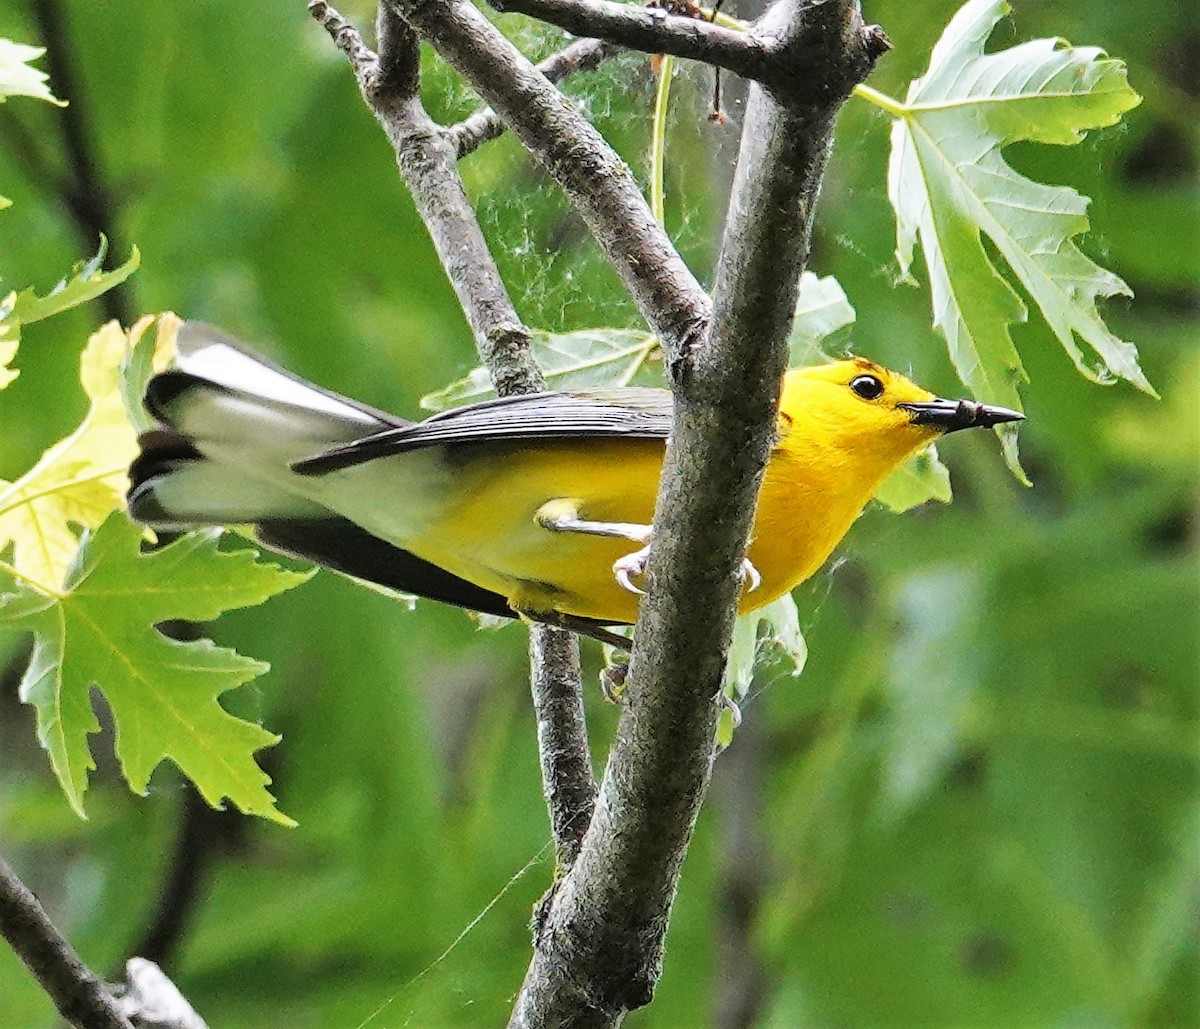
(86, 282)
(920, 479)
(17, 78)
(81, 479)
(569, 360)
(101, 631)
(951, 187)
(821, 309)
(777, 625)
(935, 670)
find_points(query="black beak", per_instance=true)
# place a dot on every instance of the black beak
(952, 415)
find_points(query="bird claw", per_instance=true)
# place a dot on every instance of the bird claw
(635, 564)
(629, 565)
(750, 575)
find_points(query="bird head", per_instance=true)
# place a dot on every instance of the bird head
(857, 407)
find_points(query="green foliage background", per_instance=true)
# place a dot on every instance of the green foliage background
(978, 806)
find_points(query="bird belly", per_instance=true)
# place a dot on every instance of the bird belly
(474, 514)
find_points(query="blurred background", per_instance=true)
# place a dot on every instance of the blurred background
(976, 807)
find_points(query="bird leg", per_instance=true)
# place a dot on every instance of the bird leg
(562, 515)
(612, 677)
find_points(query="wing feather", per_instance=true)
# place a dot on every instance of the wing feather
(631, 413)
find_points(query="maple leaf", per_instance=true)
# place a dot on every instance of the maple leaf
(588, 358)
(81, 479)
(17, 78)
(568, 360)
(921, 478)
(100, 630)
(950, 186)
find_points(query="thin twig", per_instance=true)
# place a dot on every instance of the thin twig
(596, 180)
(655, 31)
(80, 997)
(567, 778)
(485, 125)
(427, 159)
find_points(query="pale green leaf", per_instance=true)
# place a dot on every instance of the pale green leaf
(776, 626)
(81, 479)
(86, 282)
(17, 78)
(920, 479)
(163, 694)
(590, 358)
(951, 187)
(821, 309)
(570, 360)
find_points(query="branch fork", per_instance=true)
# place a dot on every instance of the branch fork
(601, 930)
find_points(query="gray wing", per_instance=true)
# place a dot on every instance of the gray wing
(631, 413)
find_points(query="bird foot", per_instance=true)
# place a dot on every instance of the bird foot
(626, 567)
(634, 564)
(750, 575)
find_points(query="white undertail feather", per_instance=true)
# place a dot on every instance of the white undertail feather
(245, 422)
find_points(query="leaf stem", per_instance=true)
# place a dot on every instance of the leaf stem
(658, 140)
(893, 107)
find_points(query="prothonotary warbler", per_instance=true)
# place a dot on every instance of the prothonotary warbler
(538, 506)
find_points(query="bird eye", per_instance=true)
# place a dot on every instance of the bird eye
(867, 386)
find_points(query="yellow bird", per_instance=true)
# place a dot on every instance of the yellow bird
(537, 506)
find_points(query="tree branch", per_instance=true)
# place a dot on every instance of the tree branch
(427, 159)
(656, 31)
(80, 997)
(594, 177)
(600, 952)
(567, 778)
(485, 125)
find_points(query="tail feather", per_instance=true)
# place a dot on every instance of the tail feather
(231, 424)
(205, 352)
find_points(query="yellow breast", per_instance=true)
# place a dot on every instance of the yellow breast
(485, 530)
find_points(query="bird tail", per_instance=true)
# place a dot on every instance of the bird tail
(230, 426)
